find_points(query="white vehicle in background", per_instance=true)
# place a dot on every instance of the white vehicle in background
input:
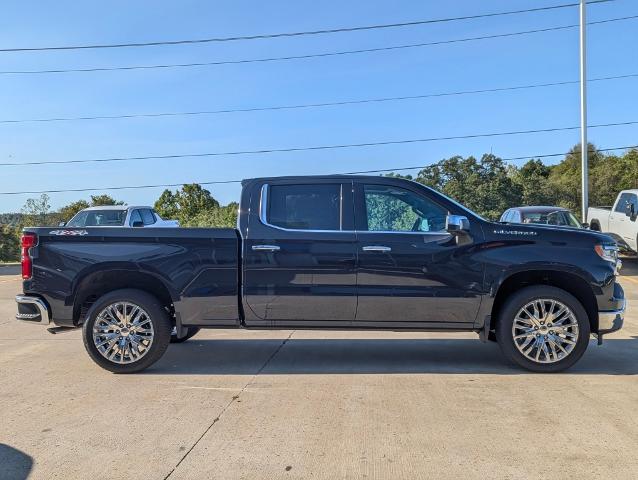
(619, 221)
(119, 216)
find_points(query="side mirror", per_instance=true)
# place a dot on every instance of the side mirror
(137, 224)
(455, 224)
(584, 225)
(61, 224)
(629, 210)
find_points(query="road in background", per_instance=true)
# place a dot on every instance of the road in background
(292, 404)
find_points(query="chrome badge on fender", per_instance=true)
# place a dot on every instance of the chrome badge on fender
(514, 232)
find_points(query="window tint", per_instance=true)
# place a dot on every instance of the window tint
(623, 201)
(147, 216)
(394, 209)
(305, 207)
(135, 217)
(506, 215)
(98, 218)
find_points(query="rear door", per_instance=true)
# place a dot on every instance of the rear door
(300, 255)
(410, 272)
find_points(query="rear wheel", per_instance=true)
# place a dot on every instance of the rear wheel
(190, 332)
(543, 329)
(126, 331)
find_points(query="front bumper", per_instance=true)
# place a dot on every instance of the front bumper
(32, 310)
(611, 321)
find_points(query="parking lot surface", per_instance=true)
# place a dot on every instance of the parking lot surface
(231, 404)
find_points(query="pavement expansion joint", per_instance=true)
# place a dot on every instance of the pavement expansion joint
(233, 399)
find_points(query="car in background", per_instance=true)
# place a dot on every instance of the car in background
(542, 215)
(620, 221)
(119, 216)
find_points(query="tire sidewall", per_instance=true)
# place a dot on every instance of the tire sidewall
(521, 298)
(159, 319)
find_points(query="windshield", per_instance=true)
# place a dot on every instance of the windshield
(98, 218)
(560, 217)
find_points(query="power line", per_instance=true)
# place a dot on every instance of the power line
(317, 105)
(307, 56)
(295, 34)
(313, 148)
(222, 182)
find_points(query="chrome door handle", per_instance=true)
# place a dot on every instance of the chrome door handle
(266, 248)
(376, 248)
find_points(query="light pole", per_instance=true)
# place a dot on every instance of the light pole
(583, 110)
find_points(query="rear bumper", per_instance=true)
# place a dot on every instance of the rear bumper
(32, 310)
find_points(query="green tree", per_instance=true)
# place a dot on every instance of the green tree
(221, 217)
(195, 206)
(532, 180)
(68, 211)
(9, 243)
(482, 185)
(104, 199)
(36, 210)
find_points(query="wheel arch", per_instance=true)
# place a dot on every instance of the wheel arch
(571, 282)
(100, 282)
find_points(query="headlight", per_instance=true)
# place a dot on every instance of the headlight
(607, 252)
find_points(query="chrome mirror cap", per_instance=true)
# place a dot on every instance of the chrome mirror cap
(457, 223)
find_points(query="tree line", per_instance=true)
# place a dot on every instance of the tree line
(488, 185)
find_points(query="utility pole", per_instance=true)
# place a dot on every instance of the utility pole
(583, 110)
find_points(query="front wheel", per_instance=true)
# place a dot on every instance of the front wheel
(126, 331)
(543, 329)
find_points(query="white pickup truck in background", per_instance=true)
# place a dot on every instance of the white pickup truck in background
(619, 221)
(119, 216)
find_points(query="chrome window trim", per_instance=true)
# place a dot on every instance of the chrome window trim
(263, 208)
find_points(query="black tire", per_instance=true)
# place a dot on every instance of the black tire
(161, 326)
(191, 332)
(508, 313)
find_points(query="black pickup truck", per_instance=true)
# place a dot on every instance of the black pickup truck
(329, 252)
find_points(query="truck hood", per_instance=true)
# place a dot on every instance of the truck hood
(550, 233)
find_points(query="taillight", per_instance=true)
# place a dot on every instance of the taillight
(28, 240)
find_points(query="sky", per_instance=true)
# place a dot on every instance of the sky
(484, 64)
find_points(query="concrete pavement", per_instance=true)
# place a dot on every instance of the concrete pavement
(242, 404)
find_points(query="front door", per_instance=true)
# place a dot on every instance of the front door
(300, 256)
(409, 270)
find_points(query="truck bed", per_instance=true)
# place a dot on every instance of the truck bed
(186, 264)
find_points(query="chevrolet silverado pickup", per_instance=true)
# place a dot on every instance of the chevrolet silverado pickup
(619, 221)
(328, 252)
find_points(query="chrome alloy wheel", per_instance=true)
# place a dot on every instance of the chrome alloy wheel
(545, 331)
(123, 332)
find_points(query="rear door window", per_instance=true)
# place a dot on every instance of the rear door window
(147, 216)
(305, 207)
(135, 217)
